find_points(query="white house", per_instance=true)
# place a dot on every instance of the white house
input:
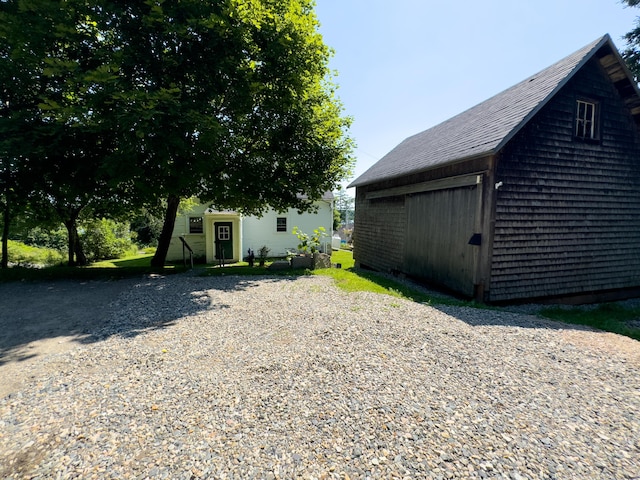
(212, 234)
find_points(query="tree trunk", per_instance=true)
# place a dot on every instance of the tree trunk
(5, 238)
(72, 233)
(81, 258)
(75, 251)
(160, 256)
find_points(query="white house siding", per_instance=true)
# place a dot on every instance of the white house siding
(250, 232)
(197, 241)
(257, 232)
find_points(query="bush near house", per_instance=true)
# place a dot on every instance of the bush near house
(104, 239)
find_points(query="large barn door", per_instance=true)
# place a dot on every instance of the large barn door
(439, 226)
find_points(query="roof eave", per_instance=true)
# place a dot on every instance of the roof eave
(488, 153)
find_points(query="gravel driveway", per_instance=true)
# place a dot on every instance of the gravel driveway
(235, 377)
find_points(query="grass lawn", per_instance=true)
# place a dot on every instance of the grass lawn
(141, 260)
(25, 254)
(107, 269)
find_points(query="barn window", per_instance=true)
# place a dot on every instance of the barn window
(195, 225)
(586, 118)
(281, 224)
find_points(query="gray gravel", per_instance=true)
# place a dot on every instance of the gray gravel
(237, 377)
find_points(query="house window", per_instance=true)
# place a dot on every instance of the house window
(586, 118)
(195, 225)
(281, 224)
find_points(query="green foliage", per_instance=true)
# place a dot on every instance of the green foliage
(105, 239)
(336, 219)
(632, 53)
(609, 317)
(27, 255)
(309, 243)
(147, 225)
(41, 237)
(109, 105)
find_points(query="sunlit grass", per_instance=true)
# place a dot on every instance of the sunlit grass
(22, 254)
(350, 279)
(609, 317)
(243, 268)
(107, 269)
(344, 258)
(140, 260)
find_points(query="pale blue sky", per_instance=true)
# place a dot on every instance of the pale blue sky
(406, 65)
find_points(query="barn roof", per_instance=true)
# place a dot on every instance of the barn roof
(487, 127)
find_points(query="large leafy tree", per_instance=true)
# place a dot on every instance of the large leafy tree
(229, 100)
(53, 144)
(226, 100)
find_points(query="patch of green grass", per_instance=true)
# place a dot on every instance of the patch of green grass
(108, 269)
(79, 273)
(141, 260)
(609, 317)
(243, 268)
(22, 254)
(350, 279)
(343, 257)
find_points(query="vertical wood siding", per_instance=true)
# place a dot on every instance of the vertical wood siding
(439, 226)
(568, 212)
(379, 232)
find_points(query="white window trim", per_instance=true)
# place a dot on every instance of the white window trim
(224, 233)
(584, 122)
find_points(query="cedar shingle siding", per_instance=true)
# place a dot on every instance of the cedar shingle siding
(554, 215)
(568, 213)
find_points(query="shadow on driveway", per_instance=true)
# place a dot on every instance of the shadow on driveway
(39, 318)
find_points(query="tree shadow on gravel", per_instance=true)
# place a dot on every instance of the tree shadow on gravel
(38, 318)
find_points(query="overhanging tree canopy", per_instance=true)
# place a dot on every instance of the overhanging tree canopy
(229, 100)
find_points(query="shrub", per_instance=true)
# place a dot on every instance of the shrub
(40, 237)
(309, 243)
(27, 255)
(104, 239)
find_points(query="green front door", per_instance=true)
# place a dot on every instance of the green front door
(223, 240)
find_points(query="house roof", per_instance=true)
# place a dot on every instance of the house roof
(487, 127)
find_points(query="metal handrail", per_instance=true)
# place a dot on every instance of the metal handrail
(184, 259)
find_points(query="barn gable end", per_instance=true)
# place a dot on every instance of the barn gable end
(567, 215)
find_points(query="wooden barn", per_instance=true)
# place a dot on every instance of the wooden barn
(534, 193)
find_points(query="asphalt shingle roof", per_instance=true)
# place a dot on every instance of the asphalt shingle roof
(483, 129)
